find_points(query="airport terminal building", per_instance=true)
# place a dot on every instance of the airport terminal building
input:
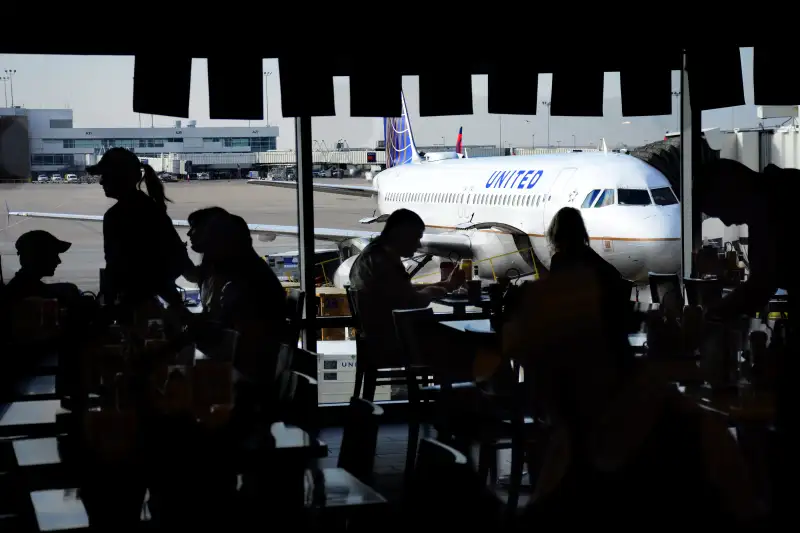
(56, 146)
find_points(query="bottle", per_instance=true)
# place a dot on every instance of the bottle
(445, 268)
(466, 267)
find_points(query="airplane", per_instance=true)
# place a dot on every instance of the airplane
(499, 208)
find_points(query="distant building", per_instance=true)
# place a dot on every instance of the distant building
(57, 146)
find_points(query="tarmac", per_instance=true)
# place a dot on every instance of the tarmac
(81, 263)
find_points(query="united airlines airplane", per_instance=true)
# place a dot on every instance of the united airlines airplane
(500, 207)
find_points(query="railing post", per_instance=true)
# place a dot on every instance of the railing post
(305, 225)
(691, 219)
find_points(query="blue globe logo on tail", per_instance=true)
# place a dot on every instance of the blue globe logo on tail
(400, 146)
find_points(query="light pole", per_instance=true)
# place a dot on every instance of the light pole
(4, 79)
(266, 94)
(546, 103)
(573, 141)
(533, 136)
(502, 150)
(10, 75)
(677, 95)
(559, 144)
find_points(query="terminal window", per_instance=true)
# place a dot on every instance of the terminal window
(256, 144)
(52, 159)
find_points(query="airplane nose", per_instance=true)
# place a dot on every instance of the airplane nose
(665, 254)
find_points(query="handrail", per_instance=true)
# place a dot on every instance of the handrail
(491, 264)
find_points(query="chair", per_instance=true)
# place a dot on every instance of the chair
(295, 303)
(298, 400)
(666, 290)
(360, 438)
(445, 494)
(702, 292)
(306, 362)
(366, 374)
(495, 422)
(405, 321)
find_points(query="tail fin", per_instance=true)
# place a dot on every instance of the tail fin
(400, 146)
(459, 140)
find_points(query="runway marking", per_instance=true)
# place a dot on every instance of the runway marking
(26, 219)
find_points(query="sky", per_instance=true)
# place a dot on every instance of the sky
(100, 91)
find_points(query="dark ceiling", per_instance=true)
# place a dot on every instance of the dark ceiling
(236, 81)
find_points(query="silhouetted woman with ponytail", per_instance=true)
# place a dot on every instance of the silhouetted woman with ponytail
(144, 254)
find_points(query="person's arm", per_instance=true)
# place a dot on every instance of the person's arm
(112, 252)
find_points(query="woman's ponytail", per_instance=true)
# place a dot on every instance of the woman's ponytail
(155, 189)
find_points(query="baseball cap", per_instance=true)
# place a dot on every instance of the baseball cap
(115, 159)
(41, 241)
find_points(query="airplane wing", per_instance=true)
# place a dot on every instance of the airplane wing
(453, 245)
(348, 190)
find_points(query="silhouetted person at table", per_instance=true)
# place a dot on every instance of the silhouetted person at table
(144, 254)
(384, 285)
(625, 449)
(39, 253)
(730, 191)
(251, 301)
(569, 240)
(201, 274)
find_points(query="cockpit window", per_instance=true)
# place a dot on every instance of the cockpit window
(607, 198)
(664, 196)
(633, 197)
(590, 199)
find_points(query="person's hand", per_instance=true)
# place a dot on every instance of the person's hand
(456, 279)
(434, 291)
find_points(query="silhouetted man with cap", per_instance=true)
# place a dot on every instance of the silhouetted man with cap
(39, 253)
(39, 257)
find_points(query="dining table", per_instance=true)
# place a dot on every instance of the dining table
(484, 325)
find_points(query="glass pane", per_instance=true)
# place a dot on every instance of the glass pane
(633, 197)
(664, 196)
(590, 198)
(607, 198)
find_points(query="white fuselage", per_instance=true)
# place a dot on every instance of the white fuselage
(631, 226)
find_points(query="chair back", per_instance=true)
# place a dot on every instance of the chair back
(298, 401)
(295, 303)
(360, 439)
(446, 492)
(405, 321)
(663, 286)
(703, 292)
(354, 302)
(306, 362)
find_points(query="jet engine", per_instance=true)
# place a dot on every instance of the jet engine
(498, 245)
(341, 278)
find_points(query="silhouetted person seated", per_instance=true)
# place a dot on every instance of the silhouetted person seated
(625, 449)
(38, 253)
(251, 301)
(383, 285)
(144, 254)
(202, 274)
(569, 240)
(39, 257)
(730, 191)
